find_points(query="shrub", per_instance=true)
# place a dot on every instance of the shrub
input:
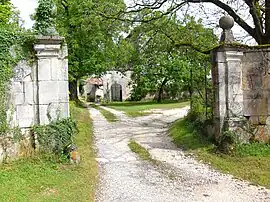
(56, 136)
(199, 117)
(253, 149)
(198, 109)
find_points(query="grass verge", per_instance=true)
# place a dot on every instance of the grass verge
(255, 169)
(142, 152)
(135, 109)
(134, 114)
(107, 114)
(42, 178)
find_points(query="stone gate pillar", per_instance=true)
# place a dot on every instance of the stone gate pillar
(227, 81)
(52, 79)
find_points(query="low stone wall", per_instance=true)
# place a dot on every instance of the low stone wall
(241, 78)
(38, 94)
(241, 81)
(12, 148)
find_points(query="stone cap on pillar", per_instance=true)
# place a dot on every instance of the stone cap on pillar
(49, 39)
(48, 46)
(226, 23)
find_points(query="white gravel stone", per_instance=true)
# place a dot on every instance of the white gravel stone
(124, 177)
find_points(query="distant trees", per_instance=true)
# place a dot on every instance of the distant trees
(170, 52)
(162, 52)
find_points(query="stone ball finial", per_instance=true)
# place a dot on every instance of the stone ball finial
(226, 22)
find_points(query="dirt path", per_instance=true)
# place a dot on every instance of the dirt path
(124, 177)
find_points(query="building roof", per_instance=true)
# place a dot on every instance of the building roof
(96, 81)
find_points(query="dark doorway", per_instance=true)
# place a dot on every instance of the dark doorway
(116, 92)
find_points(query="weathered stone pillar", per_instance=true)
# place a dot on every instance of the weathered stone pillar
(52, 79)
(234, 83)
(227, 81)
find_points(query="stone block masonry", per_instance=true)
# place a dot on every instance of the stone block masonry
(241, 80)
(52, 79)
(38, 93)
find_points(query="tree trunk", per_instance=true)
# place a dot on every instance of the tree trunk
(190, 87)
(267, 22)
(161, 90)
(73, 92)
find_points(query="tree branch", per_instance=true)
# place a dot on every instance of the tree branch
(267, 19)
(65, 6)
(232, 13)
(178, 45)
(257, 21)
(153, 6)
(119, 15)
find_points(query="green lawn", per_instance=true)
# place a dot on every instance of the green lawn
(142, 152)
(107, 114)
(134, 109)
(43, 179)
(256, 169)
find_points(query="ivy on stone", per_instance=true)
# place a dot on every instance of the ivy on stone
(12, 49)
(6, 62)
(8, 39)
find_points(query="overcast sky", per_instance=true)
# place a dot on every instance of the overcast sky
(27, 7)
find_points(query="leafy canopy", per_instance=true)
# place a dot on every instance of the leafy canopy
(163, 56)
(92, 40)
(45, 18)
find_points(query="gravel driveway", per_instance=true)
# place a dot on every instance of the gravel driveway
(124, 177)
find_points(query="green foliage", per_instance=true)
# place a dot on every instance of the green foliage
(253, 149)
(43, 178)
(252, 161)
(5, 12)
(90, 98)
(227, 142)
(109, 116)
(92, 40)
(230, 144)
(197, 109)
(141, 151)
(141, 87)
(135, 109)
(56, 136)
(14, 45)
(160, 63)
(17, 133)
(186, 136)
(200, 115)
(45, 18)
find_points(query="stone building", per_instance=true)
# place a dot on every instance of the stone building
(92, 89)
(112, 86)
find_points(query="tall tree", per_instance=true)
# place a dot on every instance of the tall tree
(158, 61)
(253, 16)
(91, 39)
(5, 11)
(45, 18)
